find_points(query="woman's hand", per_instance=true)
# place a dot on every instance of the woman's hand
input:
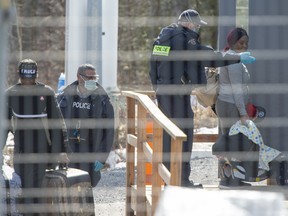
(244, 119)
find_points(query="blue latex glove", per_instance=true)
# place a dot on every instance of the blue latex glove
(246, 58)
(98, 166)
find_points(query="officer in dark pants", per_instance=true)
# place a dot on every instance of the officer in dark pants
(89, 117)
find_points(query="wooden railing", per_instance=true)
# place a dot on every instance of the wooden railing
(139, 152)
(138, 105)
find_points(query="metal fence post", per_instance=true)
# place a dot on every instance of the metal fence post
(5, 15)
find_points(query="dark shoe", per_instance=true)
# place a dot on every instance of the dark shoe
(191, 184)
(230, 182)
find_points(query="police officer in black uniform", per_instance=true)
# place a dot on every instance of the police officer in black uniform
(89, 116)
(178, 62)
(38, 128)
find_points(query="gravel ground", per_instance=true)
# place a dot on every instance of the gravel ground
(205, 170)
(110, 193)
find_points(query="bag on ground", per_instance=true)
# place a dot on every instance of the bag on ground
(69, 192)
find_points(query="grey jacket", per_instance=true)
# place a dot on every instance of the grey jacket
(233, 85)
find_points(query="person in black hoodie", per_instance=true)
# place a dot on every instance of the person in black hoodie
(39, 132)
(89, 117)
(178, 62)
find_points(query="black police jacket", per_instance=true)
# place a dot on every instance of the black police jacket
(178, 58)
(89, 121)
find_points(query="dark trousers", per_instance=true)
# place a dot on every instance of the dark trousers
(178, 109)
(228, 115)
(31, 179)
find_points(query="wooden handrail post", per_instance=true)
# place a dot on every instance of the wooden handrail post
(176, 162)
(157, 158)
(130, 155)
(141, 161)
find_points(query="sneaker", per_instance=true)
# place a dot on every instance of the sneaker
(227, 170)
(231, 182)
(191, 184)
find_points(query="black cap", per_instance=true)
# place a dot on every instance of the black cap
(27, 69)
(191, 16)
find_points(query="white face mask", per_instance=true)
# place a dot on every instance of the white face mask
(196, 29)
(90, 85)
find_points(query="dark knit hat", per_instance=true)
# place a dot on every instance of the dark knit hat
(27, 69)
(191, 16)
(234, 35)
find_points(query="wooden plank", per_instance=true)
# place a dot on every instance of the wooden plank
(157, 115)
(149, 204)
(149, 93)
(148, 152)
(132, 140)
(196, 137)
(205, 137)
(164, 173)
(130, 160)
(138, 207)
(157, 158)
(133, 198)
(176, 162)
(141, 162)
